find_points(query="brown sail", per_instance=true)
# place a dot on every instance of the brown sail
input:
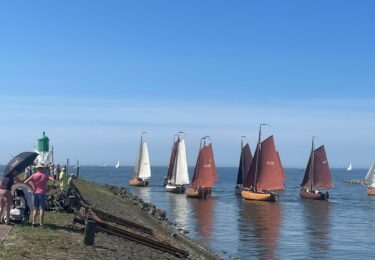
(172, 159)
(266, 171)
(317, 174)
(249, 181)
(205, 173)
(283, 173)
(245, 161)
(271, 174)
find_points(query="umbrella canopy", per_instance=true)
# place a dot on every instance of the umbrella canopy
(20, 162)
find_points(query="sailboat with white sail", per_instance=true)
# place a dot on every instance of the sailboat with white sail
(349, 167)
(117, 164)
(142, 169)
(370, 178)
(178, 174)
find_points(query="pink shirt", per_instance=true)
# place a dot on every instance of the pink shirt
(39, 181)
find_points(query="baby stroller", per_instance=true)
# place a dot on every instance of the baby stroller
(21, 211)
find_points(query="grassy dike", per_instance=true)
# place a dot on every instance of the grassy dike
(58, 240)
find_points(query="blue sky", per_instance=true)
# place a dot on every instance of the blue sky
(95, 74)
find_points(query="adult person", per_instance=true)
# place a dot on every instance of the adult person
(39, 181)
(63, 179)
(6, 199)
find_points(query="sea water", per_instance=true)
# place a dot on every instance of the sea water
(293, 228)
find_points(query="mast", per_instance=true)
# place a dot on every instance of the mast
(312, 164)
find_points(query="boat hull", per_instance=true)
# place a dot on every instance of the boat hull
(371, 191)
(198, 193)
(262, 196)
(175, 188)
(313, 195)
(138, 182)
(238, 190)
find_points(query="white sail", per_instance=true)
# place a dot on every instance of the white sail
(370, 177)
(144, 163)
(349, 167)
(180, 169)
(117, 164)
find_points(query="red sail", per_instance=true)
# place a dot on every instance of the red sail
(321, 175)
(205, 173)
(271, 173)
(172, 159)
(278, 157)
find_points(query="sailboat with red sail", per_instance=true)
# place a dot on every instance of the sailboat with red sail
(243, 168)
(317, 175)
(205, 174)
(266, 174)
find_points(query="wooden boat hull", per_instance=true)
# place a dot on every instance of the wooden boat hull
(175, 188)
(138, 182)
(238, 190)
(371, 191)
(262, 196)
(314, 196)
(198, 193)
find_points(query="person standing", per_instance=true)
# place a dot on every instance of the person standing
(6, 199)
(63, 179)
(39, 181)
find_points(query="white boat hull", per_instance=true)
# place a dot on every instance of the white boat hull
(175, 188)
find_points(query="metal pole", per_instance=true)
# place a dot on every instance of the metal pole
(67, 166)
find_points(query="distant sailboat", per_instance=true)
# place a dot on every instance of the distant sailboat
(205, 174)
(178, 174)
(142, 169)
(349, 167)
(317, 175)
(266, 174)
(243, 168)
(117, 164)
(370, 178)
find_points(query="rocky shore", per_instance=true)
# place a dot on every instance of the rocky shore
(59, 240)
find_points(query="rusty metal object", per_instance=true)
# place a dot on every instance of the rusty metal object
(120, 221)
(103, 227)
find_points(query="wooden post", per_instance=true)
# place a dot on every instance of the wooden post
(89, 234)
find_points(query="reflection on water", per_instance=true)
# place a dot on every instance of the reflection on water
(144, 193)
(318, 224)
(259, 226)
(180, 208)
(203, 214)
